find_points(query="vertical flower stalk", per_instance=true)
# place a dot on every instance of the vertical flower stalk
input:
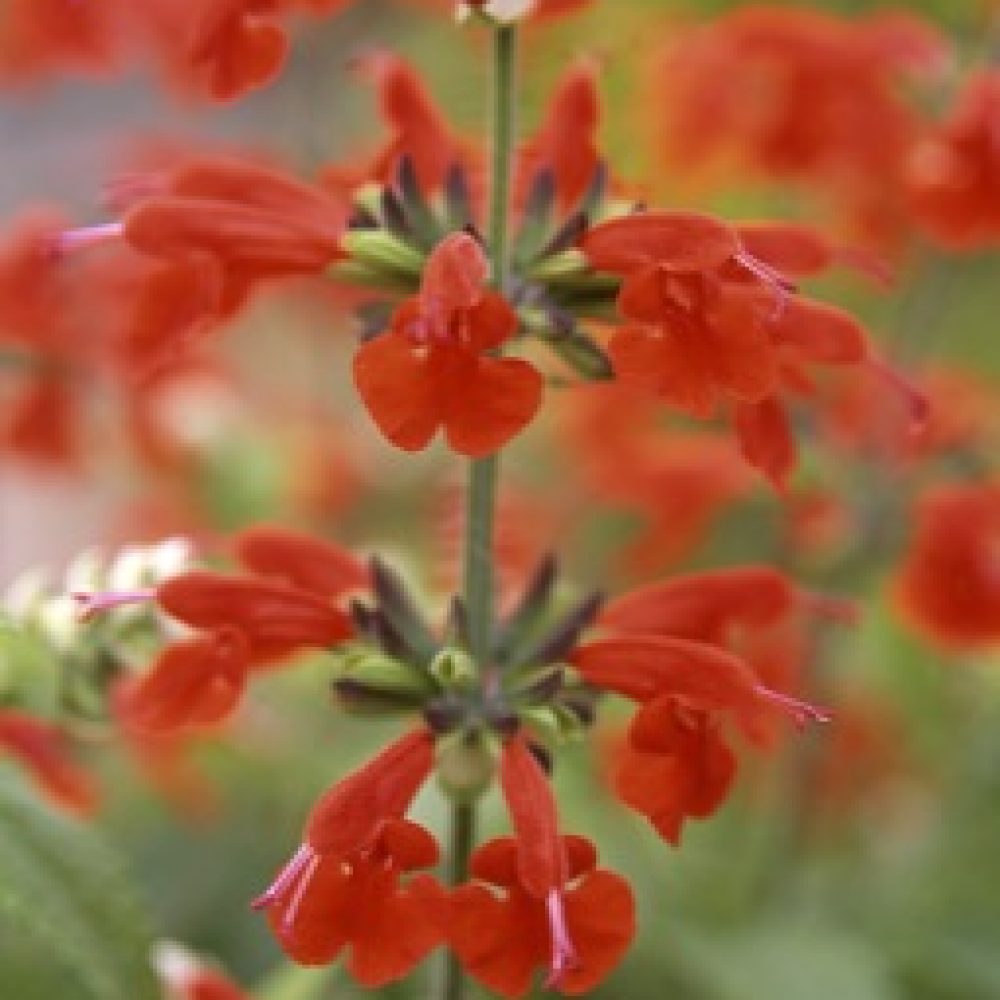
(484, 472)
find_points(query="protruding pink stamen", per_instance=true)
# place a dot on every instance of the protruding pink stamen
(773, 278)
(564, 957)
(300, 890)
(91, 604)
(73, 240)
(916, 400)
(301, 859)
(801, 712)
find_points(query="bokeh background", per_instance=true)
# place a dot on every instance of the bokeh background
(861, 862)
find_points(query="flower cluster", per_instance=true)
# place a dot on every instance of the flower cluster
(688, 362)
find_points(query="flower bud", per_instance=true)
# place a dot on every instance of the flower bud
(370, 681)
(454, 668)
(465, 766)
(382, 252)
(501, 11)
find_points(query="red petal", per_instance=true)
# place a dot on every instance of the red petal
(787, 247)
(399, 390)
(701, 605)
(499, 942)
(352, 812)
(275, 618)
(683, 241)
(301, 560)
(642, 666)
(824, 334)
(496, 862)
(454, 275)
(312, 916)
(195, 682)
(393, 932)
(496, 400)
(765, 438)
(409, 846)
(542, 862)
(43, 749)
(600, 913)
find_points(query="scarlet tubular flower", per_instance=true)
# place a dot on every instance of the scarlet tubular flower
(253, 223)
(708, 321)
(432, 369)
(954, 174)
(42, 749)
(245, 623)
(556, 910)
(276, 619)
(342, 889)
(949, 585)
(687, 651)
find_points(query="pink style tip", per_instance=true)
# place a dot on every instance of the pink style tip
(92, 604)
(800, 712)
(73, 240)
(782, 286)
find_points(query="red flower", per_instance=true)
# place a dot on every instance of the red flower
(342, 888)
(42, 749)
(221, 48)
(556, 908)
(949, 585)
(432, 371)
(805, 96)
(247, 622)
(954, 177)
(300, 560)
(688, 651)
(710, 321)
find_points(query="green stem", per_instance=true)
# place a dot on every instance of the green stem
(505, 64)
(461, 841)
(484, 472)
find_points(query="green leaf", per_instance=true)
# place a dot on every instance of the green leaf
(65, 901)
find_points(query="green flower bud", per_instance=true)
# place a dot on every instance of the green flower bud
(454, 668)
(466, 763)
(370, 681)
(381, 251)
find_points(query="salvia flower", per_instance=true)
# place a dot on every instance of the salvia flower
(556, 911)
(433, 370)
(344, 888)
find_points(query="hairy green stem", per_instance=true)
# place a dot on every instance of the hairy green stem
(484, 472)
